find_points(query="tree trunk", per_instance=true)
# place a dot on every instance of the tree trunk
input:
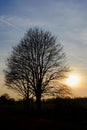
(27, 99)
(38, 101)
(27, 104)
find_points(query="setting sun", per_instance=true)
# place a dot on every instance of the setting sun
(72, 80)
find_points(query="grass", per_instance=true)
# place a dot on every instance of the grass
(59, 114)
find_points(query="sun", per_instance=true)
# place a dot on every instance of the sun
(73, 80)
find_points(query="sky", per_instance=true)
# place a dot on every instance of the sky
(67, 19)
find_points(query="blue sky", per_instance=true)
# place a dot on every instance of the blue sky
(67, 19)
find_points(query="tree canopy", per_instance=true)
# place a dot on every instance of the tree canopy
(35, 63)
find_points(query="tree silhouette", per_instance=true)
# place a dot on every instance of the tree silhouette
(34, 63)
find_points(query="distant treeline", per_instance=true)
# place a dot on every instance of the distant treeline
(73, 109)
(57, 102)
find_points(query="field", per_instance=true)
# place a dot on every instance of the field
(59, 114)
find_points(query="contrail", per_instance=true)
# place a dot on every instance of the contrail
(5, 21)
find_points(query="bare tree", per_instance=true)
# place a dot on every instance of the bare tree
(36, 61)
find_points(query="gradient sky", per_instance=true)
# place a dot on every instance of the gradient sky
(67, 19)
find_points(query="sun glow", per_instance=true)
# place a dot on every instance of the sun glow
(73, 80)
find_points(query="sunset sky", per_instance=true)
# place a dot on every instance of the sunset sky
(67, 19)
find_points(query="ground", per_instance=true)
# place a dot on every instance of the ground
(9, 120)
(63, 118)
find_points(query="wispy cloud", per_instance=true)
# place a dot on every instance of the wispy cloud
(66, 19)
